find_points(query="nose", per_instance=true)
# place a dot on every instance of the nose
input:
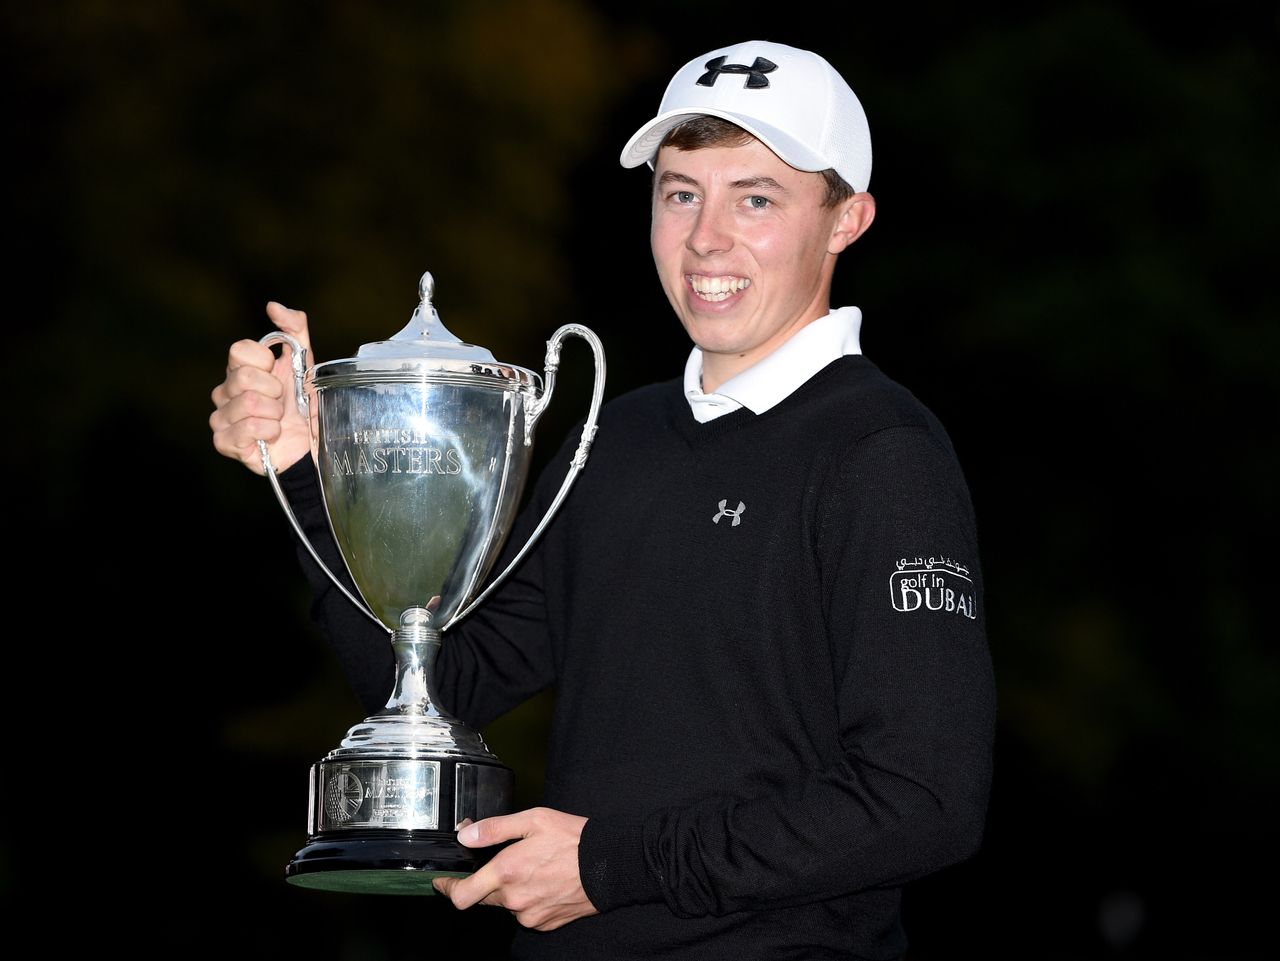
(710, 233)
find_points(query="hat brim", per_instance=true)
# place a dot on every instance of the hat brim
(643, 145)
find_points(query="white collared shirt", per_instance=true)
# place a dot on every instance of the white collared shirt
(770, 381)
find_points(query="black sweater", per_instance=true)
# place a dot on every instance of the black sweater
(774, 700)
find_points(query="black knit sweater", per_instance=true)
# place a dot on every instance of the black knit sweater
(774, 700)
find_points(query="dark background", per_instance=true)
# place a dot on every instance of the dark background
(1073, 264)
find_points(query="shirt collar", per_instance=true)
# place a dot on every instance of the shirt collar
(773, 379)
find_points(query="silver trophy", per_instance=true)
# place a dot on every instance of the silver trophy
(423, 450)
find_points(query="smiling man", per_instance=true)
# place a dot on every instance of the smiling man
(745, 245)
(761, 608)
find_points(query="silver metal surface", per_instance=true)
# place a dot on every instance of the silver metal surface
(584, 444)
(424, 445)
(379, 793)
(297, 362)
(423, 452)
(412, 724)
(421, 481)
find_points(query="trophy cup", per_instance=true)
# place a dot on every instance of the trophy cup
(423, 449)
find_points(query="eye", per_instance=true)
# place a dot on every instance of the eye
(683, 196)
(757, 202)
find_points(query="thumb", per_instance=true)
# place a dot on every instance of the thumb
(293, 322)
(496, 829)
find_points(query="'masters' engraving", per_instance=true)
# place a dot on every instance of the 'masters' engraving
(410, 458)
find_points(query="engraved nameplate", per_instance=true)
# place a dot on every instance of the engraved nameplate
(404, 795)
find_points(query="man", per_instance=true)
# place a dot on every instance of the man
(761, 607)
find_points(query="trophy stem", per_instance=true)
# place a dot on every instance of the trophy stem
(412, 724)
(416, 647)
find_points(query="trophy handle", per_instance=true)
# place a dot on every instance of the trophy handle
(299, 362)
(532, 413)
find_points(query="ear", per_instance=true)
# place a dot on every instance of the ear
(854, 218)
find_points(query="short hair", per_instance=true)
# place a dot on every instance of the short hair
(706, 131)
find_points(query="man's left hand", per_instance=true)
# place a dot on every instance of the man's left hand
(536, 878)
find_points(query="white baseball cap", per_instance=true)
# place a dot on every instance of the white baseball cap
(791, 100)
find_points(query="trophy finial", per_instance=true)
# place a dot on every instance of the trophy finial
(425, 337)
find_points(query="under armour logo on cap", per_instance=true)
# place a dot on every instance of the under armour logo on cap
(725, 512)
(756, 79)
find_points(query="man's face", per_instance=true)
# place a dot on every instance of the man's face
(744, 249)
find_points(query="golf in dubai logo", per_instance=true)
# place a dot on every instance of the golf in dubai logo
(932, 584)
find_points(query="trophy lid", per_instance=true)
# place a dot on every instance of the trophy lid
(424, 347)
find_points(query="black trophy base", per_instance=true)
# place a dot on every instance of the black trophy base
(383, 862)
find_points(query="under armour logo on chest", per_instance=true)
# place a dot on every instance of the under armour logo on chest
(726, 512)
(756, 72)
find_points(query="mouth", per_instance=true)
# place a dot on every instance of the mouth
(715, 289)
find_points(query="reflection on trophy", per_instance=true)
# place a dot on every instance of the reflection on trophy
(423, 451)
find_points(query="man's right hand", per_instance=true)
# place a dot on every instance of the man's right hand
(256, 401)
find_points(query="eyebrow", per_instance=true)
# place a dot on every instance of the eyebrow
(750, 182)
(747, 183)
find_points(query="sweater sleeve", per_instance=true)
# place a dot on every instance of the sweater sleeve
(904, 790)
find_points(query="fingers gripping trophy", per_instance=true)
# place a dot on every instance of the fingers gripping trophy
(423, 448)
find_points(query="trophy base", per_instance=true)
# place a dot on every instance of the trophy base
(391, 862)
(387, 825)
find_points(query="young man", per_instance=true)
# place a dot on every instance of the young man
(761, 607)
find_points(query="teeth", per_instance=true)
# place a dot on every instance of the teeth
(717, 288)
